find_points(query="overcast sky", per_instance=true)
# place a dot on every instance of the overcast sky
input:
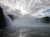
(31, 7)
(27, 9)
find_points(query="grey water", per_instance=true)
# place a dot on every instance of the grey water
(37, 31)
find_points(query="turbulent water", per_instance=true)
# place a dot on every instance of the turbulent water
(40, 31)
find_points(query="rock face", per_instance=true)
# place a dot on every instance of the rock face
(45, 20)
(4, 19)
(11, 16)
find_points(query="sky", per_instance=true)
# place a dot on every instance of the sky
(26, 10)
(31, 7)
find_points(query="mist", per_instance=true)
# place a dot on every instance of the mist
(29, 21)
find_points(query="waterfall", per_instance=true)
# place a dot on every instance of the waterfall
(8, 21)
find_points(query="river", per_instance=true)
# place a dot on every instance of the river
(38, 31)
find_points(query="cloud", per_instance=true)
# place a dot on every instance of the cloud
(11, 12)
(27, 6)
(44, 12)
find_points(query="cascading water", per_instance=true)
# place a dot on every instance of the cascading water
(8, 21)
